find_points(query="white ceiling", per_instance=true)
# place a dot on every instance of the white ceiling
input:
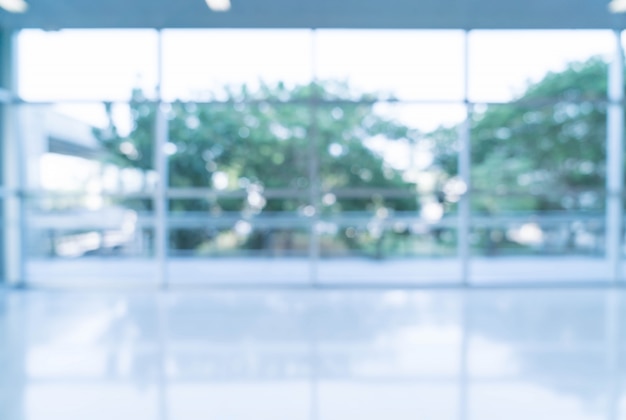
(468, 14)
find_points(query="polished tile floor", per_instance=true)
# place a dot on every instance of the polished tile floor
(330, 355)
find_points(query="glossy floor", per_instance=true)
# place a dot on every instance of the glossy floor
(327, 355)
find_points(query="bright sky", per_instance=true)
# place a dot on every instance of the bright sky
(424, 65)
(96, 65)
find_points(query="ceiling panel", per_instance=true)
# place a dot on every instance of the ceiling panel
(469, 14)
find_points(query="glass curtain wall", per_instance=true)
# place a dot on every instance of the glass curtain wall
(538, 137)
(212, 157)
(89, 192)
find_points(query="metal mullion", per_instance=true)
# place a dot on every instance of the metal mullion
(314, 243)
(314, 175)
(38, 194)
(522, 102)
(289, 193)
(369, 192)
(615, 161)
(205, 193)
(160, 198)
(13, 161)
(463, 232)
(464, 170)
(160, 166)
(161, 233)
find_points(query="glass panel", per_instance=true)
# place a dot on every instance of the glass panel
(389, 194)
(379, 238)
(88, 195)
(78, 245)
(538, 182)
(251, 148)
(88, 147)
(399, 64)
(387, 147)
(215, 63)
(202, 227)
(218, 240)
(503, 64)
(86, 64)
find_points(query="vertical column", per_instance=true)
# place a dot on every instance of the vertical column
(314, 244)
(464, 170)
(161, 234)
(314, 177)
(161, 167)
(464, 162)
(11, 244)
(615, 161)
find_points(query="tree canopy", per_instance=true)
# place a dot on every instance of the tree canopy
(543, 151)
(274, 138)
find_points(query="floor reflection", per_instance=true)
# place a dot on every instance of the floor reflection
(494, 354)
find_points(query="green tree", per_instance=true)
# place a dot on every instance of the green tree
(264, 141)
(543, 151)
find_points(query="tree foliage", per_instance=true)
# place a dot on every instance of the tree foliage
(274, 138)
(543, 151)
